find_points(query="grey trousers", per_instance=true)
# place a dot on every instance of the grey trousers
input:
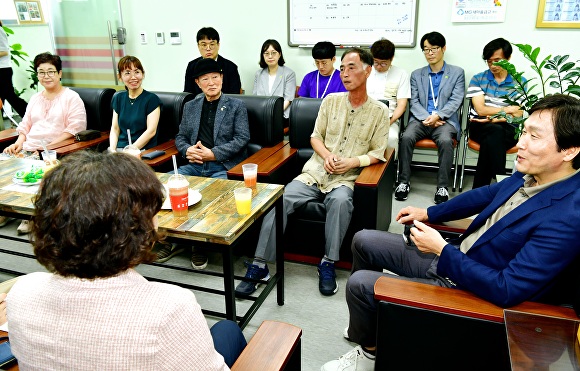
(339, 208)
(372, 252)
(443, 138)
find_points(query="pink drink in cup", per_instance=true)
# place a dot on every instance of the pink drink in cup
(178, 195)
(250, 175)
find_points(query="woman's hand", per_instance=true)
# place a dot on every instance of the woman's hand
(13, 149)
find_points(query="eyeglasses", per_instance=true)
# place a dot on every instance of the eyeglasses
(50, 73)
(492, 61)
(211, 45)
(136, 73)
(271, 54)
(382, 64)
(431, 50)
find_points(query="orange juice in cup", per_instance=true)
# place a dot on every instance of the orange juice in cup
(178, 195)
(250, 175)
(243, 197)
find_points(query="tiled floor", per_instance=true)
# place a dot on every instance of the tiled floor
(321, 318)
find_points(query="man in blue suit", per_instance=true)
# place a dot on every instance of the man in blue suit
(522, 245)
(213, 136)
(437, 92)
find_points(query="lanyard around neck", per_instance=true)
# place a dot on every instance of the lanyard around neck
(435, 99)
(327, 84)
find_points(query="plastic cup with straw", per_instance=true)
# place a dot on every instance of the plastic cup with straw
(178, 192)
(131, 149)
(48, 156)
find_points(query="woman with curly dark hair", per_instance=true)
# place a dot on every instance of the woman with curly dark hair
(95, 220)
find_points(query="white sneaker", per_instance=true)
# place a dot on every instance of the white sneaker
(355, 360)
(24, 227)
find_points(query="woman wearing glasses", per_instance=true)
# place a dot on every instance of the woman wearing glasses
(274, 78)
(135, 109)
(53, 115)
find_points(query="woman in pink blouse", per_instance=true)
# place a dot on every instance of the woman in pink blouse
(52, 115)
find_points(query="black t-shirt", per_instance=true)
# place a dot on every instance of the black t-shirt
(207, 122)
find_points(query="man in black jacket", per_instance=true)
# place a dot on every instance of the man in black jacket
(208, 42)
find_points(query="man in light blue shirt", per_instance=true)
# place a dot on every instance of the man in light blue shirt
(437, 92)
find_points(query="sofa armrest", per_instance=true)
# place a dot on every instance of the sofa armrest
(373, 195)
(7, 137)
(272, 163)
(275, 346)
(371, 175)
(168, 147)
(78, 146)
(454, 301)
(439, 299)
(257, 158)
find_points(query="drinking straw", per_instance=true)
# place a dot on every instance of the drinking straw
(129, 136)
(44, 146)
(174, 164)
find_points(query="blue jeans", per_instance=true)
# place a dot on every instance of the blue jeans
(228, 340)
(210, 169)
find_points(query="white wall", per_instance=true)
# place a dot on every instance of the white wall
(244, 25)
(35, 39)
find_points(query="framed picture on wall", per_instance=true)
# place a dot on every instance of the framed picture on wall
(29, 11)
(558, 14)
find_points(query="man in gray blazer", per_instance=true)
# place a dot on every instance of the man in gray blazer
(214, 130)
(437, 92)
(213, 136)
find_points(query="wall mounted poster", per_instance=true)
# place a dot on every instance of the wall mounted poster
(29, 11)
(476, 11)
(559, 14)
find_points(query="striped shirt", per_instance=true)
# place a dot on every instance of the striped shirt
(484, 84)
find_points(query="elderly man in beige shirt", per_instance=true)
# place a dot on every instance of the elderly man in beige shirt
(351, 132)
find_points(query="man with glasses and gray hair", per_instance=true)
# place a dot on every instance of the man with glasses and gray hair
(437, 92)
(208, 43)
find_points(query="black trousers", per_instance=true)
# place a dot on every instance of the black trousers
(7, 92)
(494, 140)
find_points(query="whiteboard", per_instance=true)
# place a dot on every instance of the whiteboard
(352, 22)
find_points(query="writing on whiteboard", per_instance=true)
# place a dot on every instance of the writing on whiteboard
(352, 22)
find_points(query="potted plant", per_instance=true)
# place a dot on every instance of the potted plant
(554, 75)
(17, 55)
